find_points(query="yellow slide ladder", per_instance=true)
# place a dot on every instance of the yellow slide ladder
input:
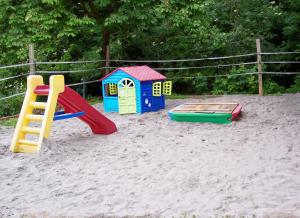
(19, 142)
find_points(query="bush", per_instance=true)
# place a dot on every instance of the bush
(296, 86)
(247, 84)
(200, 84)
(271, 87)
(233, 84)
(11, 106)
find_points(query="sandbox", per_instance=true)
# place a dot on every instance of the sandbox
(206, 112)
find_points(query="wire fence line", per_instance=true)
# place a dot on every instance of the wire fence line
(12, 96)
(215, 76)
(157, 68)
(282, 73)
(81, 83)
(15, 65)
(148, 61)
(73, 84)
(205, 67)
(63, 71)
(280, 62)
(173, 78)
(13, 77)
(279, 53)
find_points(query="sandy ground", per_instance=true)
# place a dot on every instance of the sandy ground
(161, 168)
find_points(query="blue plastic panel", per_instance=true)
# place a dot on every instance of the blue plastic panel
(111, 103)
(61, 115)
(150, 102)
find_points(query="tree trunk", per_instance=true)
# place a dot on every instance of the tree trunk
(105, 43)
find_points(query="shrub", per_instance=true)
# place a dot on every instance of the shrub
(247, 84)
(271, 87)
(296, 86)
(11, 106)
(233, 84)
(199, 84)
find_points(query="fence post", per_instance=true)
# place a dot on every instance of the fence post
(31, 59)
(83, 88)
(259, 68)
(107, 58)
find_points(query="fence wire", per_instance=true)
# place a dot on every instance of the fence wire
(280, 53)
(205, 67)
(15, 65)
(159, 68)
(280, 62)
(13, 77)
(63, 71)
(81, 83)
(215, 76)
(12, 96)
(282, 73)
(148, 61)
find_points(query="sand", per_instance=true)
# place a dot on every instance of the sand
(156, 167)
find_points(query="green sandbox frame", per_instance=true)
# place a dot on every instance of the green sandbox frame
(221, 118)
(222, 113)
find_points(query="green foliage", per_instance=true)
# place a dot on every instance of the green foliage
(11, 106)
(296, 86)
(176, 96)
(93, 100)
(199, 83)
(11, 122)
(234, 84)
(271, 87)
(64, 30)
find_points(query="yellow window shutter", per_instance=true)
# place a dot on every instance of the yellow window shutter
(156, 89)
(167, 88)
(112, 89)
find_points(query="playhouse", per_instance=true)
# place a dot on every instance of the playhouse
(135, 89)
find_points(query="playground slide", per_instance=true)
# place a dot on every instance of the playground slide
(72, 102)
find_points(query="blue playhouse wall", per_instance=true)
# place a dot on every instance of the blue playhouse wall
(111, 102)
(149, 102)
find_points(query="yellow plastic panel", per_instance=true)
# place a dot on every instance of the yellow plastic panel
(32, 82)
(156, 89)
(167, 88)
(112, 89)
(57, 85)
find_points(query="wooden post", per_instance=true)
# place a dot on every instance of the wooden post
(83, 88)
(107, 58)
(259, 68)
(31, 59)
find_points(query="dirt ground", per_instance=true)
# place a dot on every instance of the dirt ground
(157, 167)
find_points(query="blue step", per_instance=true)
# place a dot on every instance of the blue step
(61, 115)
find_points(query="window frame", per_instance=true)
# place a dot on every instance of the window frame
(156, 89)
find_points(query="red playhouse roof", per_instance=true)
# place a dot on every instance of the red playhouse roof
(142, 73)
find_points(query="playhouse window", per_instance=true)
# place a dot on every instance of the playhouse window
(167, 88)
(111, 89)
(156, 89)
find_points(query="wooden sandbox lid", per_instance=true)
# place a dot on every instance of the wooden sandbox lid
(206, 108)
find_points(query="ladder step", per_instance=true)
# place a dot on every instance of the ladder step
(27, 148)
(32, 130)
(26, 142)
(38, 105)
(34, 117)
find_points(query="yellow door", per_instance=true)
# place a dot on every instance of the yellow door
(127, 98)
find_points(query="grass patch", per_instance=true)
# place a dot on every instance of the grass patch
(93, 100)
(176, 96)
(12, 122)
